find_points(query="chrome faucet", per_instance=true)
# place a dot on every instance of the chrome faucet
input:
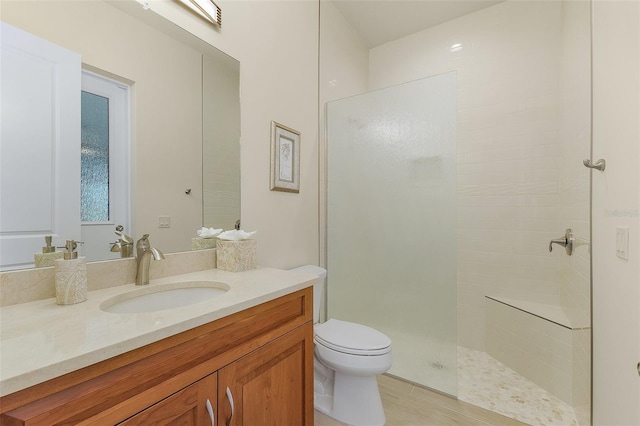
(144, 251)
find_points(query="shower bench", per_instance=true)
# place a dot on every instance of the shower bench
(537, 339)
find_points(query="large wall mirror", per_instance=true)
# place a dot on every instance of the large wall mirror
(147, 135)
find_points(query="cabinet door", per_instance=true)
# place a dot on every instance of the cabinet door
(194, 405)
(272, 385)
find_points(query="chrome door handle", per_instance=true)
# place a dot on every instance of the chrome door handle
(210, 411)
(566, 242)
(230, 398)
(598, 165)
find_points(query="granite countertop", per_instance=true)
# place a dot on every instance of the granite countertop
(41, 340)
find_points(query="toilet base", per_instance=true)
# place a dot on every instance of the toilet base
(354, 400)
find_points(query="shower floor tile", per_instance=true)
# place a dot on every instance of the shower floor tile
(487, 383)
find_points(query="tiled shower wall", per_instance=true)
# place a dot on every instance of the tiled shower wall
(507, 143)
(573, 189)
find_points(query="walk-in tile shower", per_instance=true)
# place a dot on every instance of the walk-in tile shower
(453, 157)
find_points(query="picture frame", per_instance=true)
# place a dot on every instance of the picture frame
(285, 158)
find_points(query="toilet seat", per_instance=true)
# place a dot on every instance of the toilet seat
(351, 338)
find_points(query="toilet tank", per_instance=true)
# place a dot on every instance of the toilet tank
(318, 286)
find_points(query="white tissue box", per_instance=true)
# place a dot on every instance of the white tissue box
(236, 256)
(199, 243)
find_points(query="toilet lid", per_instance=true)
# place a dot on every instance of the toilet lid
(352, 338)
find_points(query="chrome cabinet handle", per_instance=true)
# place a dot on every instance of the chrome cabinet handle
(210, 410)
(230, 398)
(566, 242)
(598, 165)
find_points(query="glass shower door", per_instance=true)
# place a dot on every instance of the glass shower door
(391, 237)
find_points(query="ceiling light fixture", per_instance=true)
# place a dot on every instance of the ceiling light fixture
(207, 9)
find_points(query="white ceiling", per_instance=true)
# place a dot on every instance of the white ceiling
(381, 21)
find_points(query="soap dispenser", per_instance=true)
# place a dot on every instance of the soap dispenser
(71, 276)
(48, 255)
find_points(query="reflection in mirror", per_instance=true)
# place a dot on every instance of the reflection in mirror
(181, 160)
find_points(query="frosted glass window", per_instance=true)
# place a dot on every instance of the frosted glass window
(95, 158)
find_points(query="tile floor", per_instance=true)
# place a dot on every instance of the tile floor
(489, 394)
(487, 383)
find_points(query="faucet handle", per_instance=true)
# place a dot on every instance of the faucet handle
(142, 245)
(122, 237)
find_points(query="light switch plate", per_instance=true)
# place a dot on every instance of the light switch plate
(622, 243)
(164, 221)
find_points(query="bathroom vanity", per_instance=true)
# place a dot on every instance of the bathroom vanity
(242, 358)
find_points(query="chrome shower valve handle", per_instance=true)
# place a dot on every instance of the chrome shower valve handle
(566, 242)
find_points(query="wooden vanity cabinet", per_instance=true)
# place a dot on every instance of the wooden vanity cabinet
(263, 356)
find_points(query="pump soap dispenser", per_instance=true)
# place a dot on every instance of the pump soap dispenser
(71, 276)
(48, 255)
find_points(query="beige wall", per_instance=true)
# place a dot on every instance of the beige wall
(616, 195)
(276, 43)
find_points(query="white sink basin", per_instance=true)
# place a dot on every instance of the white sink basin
(153, 298)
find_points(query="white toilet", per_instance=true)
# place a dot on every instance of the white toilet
(348, 356)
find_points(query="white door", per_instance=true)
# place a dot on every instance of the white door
(105, 164)
(39, 146)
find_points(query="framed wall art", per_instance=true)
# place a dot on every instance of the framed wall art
(285, 158)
